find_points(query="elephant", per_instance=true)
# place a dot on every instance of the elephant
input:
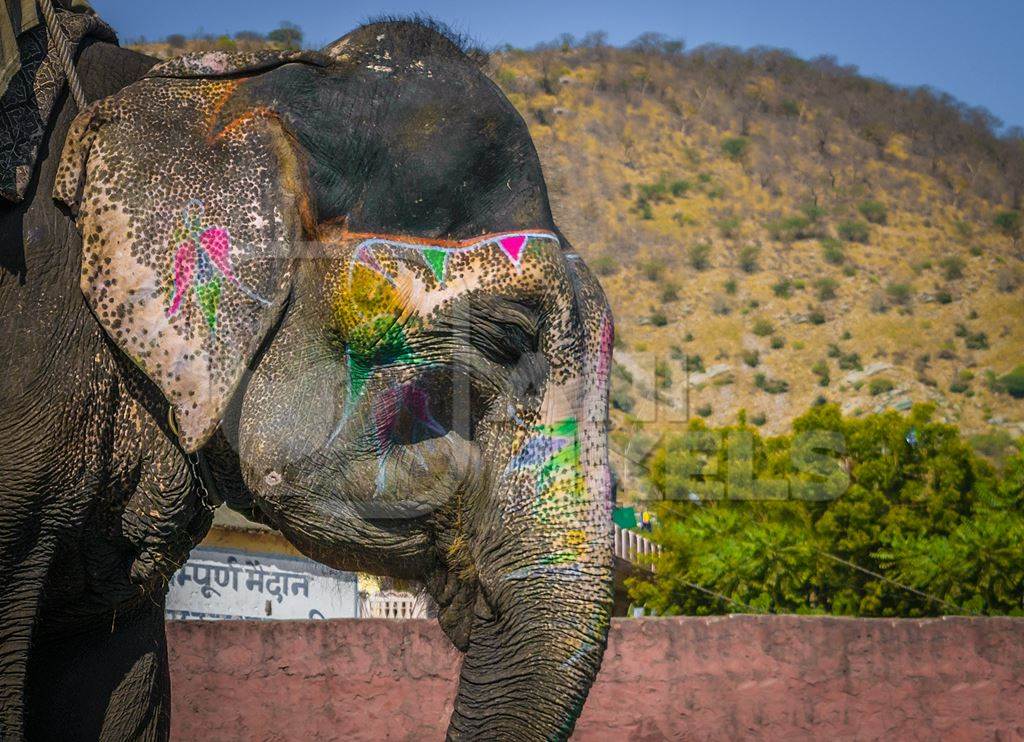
(326, 288)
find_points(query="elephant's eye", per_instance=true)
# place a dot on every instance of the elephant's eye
(504, 331)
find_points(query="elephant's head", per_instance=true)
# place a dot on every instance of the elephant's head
(345, 265)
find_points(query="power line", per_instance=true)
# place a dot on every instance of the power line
(852, 565)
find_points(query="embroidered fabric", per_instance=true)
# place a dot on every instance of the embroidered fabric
(28, 103)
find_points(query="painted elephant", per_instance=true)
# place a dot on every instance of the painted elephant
(327, 288)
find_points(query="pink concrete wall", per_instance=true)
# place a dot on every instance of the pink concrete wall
(773, 677)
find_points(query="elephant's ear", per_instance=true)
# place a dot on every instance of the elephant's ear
(188, 229)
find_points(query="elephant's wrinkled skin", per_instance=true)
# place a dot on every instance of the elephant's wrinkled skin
(341, 272)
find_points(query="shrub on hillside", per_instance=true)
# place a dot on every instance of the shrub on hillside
(729, 227)
(1012, 383)
(899, 293)
(748, 258)
(1009, 223)
(652, 269)
(854, 231)
(832, 250)
(770, 386)
(790, 228)
(763, 327)
(880, 386)
(821, 370)
(952, 267)
(604, 265)
(874, 211)
(736, 147)
(699, 255)
(976, 341)
(783, 288)
(826, 288)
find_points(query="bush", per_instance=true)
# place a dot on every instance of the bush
(679, 188)
(960, 383)
(778, 342)
(699, 255)
(1007, 280)
(813, 212)
(720, 306)
(729, 227)
(604, 265)
(899, 293)
(880, 386)
(1009, 223)
(704, 410)
(771, 386)
(850, 362)
(791, 228)
(821, 370)
(621, 399)
(976, 341)
(736, 147)
(942, 296)
(176, 41)
(763, 328)
(932, 528)
(670, 292)
(874, 211)
(751, 357)
(854, 231)
(652, 269)
(1012, 383)
(833, 251)
(748, 258)
(952, 267)
(730, 286)
(659, 318)
(663, 374)
(826, 288)
(783, 288)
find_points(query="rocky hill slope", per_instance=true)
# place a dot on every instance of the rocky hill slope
(773, 232)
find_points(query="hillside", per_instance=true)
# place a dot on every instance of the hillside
(781, 232)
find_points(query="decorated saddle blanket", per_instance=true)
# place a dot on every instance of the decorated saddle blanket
(34, 80)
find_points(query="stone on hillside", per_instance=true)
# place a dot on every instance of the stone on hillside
(855, 377)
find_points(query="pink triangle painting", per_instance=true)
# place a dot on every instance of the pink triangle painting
(513, 246)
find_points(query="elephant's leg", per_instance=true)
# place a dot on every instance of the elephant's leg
(108, 683)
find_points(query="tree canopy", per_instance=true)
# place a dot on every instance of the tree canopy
(896, 516)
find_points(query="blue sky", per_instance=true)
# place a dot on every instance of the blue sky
(973, 50)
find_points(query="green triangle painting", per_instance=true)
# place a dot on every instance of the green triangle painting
(437, 260)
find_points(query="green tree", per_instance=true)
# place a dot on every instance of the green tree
(287, 35)
(921, 525)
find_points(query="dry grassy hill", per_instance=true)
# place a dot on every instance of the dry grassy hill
(780, 231)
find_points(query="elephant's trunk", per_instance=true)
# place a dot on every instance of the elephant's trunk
(545, 575)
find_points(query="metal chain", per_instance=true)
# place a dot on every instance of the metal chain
(197, 474)
(194, 466)
(56, 32)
